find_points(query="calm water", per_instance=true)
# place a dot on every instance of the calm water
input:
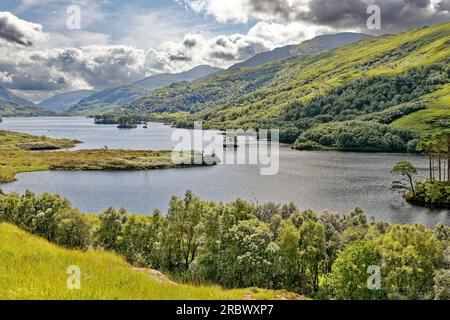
(318, 180)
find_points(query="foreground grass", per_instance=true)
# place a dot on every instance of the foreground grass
(16, 157)
(32, 268)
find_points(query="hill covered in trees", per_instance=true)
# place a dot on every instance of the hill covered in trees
(393, 84)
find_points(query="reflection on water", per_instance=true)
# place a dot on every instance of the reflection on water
(317, 180)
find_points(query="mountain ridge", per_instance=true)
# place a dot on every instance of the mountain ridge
(313, 46)
(62, 102)
(112, 97)
(13, 105)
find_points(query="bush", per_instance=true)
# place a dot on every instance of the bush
(431, 193)
(73, 231)
(48, 216)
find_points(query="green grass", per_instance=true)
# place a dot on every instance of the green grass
(23, 141)
(32, 268)
(436, 117)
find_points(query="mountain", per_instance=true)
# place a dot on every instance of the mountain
(64, 101)
(12, 98)
(13, 105)
(388, 85)
(316, 45)
(110, 98)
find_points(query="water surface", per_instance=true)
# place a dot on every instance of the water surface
(321, 181)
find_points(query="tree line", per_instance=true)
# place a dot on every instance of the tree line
(240, 244)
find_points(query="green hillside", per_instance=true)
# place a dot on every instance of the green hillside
(376, 75)
(10, 109)
(33, 268)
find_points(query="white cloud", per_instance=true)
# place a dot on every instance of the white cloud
(291, 33)
(5, 77)
(220, 51)
(18, 31)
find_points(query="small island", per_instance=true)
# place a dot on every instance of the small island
(435, 191)
(122, 122)
(25, 153)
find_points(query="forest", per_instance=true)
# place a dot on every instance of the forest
(326, 120)
(240, 244)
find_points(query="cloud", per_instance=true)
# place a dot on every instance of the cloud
(5, 77)
(71, 68)
(105, 66)
(221, 51)
(56, 65)
(396, 14)
(290, 33)
(18, 31)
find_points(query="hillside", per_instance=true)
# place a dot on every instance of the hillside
(103, 275)
(373, 74)
(314, 46)
(63, 102)
(14, 99)
(12, 105)
(110, 98)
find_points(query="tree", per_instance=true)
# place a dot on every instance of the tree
(184, 228)
(443, 146)
(312, 251)
(288, 242)
(349, 275)
(442, 285)
(250, 255)
(405, 168)
(428, 146)
(73, 231)
(109, 233)
(410, 257)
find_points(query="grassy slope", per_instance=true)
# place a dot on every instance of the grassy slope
(427, 121)
(8, 109)
(32, 268)
(223, 102)
(14, 157)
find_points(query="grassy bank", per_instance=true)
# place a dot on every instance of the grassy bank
(23, 141)
(16, 157)
(32, 268)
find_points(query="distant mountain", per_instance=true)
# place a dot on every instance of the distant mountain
(63, 102)
(317, 45)
(12, 98)
(163, 80)
(110, 98)
(13, 105)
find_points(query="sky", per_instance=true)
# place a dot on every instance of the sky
(54, 46)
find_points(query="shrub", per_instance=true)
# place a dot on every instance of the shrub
(48, 216)
(73, 231)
